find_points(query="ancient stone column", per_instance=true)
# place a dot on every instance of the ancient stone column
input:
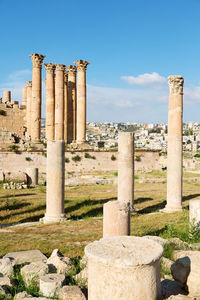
(55, 182)
(59, 102)
(50, 101)
(124, 267)
(28, 107)
(24, 95)
(6, 96)
(32, 176)
(71, 108)
(116, 218)
(174, 151)
(81, 101)
(194, 208)
(65, 106)
(126, 167)
(37, 60)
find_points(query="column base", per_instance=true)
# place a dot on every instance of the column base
(53, 219)
(168, 209)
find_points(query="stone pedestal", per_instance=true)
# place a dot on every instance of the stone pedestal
(6, 96)
(126, 167)
(50, 101)
(24, 95)
(55, 182)
(65, 106)
(59, 102)
(28, 107)
(32, 176)
(124, 268)
(116, 218)
(71, 107)
(81, 101)
(37, 60)
(174, 151)
(194, 207)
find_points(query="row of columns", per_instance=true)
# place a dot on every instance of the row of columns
(66, 104)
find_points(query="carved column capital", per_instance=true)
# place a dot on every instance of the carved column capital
(50, 67)
(81, 64)
(29, 83)
(72, 69)
(60, 67)
(176, 84)
(37, 60)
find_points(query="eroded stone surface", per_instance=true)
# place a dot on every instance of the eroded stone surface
(50, 284)
(26, 256)
(33, 272)
(157, 239)
(71, 293)
(58, 263)
(6, 267)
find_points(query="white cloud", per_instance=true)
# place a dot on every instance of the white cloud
(145, 79)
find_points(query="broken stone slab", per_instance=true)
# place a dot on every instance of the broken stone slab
(58, 263)
(179, 244)
(190, 265)
(71, 293)
(5, 281)
(171, 287)
(26, 256)
(33, 272)
(50, 284)
(182, 297)
(6, 267)
(82, 277)
(25, 296)
(166, 264)
(157, 239)
(181, 269)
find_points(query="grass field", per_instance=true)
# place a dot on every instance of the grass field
(83, 207)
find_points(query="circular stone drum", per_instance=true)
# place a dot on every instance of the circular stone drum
(124, 267)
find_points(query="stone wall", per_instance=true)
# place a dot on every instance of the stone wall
(12, 120)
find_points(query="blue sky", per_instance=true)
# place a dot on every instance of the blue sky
(132, 47)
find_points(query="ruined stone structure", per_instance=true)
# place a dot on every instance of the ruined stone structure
(174, 152)
(194, 208)
(124, 268)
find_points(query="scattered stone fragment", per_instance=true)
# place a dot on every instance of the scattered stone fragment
(171, 287)
(179, 244)
(25, 296)
(182, 297)
(33, 272)
(190, 262)
(166, 264)
(5, 293)
(71, 293)
(5, 281)
(26, 256)
(157, 239)
(6, 267)
(82, 277)
(58, 263)
(181, 269)
(50, 284)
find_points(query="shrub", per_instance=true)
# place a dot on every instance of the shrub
(197, 155)
(136, 177)
(44, 154)
(14, 148)
(28, 159)
(92, 157)
(87, 155)
(115, 173)
(76, 158)
(2, 112)
(66, 159)
(113, 157)
(137, 158)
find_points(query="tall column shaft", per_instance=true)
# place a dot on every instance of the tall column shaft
(126, 167)
(6, 96)
(65, 106)
(37, 60)
(174, 152)
(55, 182)
(59, 102)
(71, 104)
(24, 95)
(50, 101)
(28, 107)
(81, 100)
